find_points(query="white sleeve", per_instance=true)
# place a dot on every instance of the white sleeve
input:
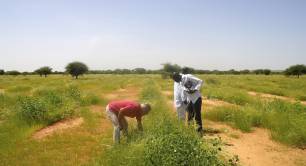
(176, 95)
(198, 82)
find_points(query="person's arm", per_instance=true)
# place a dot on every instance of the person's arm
(139, 124)
(121, 114)
(198, 82)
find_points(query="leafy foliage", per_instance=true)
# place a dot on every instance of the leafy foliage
(76, 68)
(49, 106)
(13, 72)
(296, 70)
(44, 71)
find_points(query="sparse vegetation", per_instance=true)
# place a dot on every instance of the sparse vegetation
(28, 103)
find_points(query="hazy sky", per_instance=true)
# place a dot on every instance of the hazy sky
(205, 34)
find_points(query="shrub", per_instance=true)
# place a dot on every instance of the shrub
(33, 109)
(178, 148)
(49, 106)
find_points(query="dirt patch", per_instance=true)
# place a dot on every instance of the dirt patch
(167, 93)
(96, 108)
(270, 96)
(57, 127)
(215, 103)
(130, 93)
(2, 91)
(256, 148)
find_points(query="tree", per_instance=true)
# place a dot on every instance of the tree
(13, 72)
(76, 68)
(267, 71)
(258, 71)
(169, 68)
(296, 70)
(139, 70)
(246, 71)
(2, 72)
(188, 70)
(44, 71)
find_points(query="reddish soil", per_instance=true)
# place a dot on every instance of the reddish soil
(257, 148)
(130, 93)
(270, 96)
(57, 127)
(253, 149)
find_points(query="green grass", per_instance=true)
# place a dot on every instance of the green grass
(286, 121)
(163, 142)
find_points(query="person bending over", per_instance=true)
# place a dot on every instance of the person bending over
(116, 112)
(192, 86)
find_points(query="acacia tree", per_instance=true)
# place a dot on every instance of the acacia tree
(188, 70)
(168, 69)
(76, 68)
(296, 70)
(44, 71)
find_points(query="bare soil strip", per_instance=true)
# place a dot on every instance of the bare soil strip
(270, 96)
(253, 149)
(256, 148)
(56, 127)
(215, 103)
(167, 93)
(130, 93)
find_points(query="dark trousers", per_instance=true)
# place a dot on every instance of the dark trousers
(194, 111)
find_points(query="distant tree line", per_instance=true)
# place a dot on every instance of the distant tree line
(76, 69)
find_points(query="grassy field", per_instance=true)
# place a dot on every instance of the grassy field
(30, 103)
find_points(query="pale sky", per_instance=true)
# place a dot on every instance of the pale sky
(204, 34)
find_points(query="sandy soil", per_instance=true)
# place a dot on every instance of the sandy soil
(270, 96)
(256, 148)
(253, 149)
(57, 127)
(215, 103)
(167, 93)
(130, 93)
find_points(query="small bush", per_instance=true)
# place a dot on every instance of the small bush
(178, 148)
(33, 109)
(49, 106)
